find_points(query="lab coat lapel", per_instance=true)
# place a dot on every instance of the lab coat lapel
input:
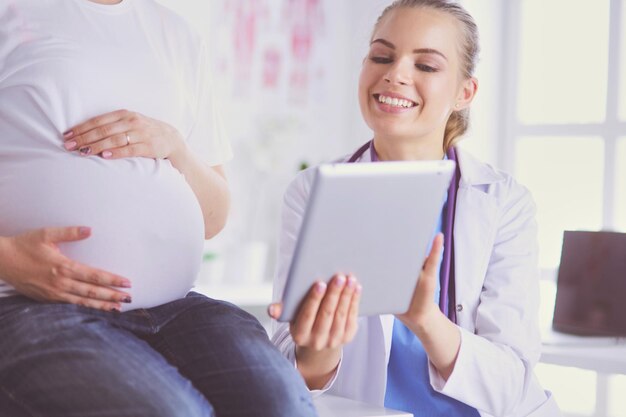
(474, 226)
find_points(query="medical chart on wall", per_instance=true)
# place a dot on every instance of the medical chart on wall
(271, 49)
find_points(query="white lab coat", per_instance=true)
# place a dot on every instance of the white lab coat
(497, 294)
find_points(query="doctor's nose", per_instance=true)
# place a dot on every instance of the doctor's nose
(399, 74)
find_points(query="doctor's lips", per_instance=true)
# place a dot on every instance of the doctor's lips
(394, 100)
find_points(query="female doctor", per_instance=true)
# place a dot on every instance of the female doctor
(469, 341)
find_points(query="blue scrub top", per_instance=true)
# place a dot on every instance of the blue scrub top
(408, 383)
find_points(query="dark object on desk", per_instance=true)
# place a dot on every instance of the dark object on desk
(591, 287)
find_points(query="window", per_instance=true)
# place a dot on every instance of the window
(563, 67)
(620, 188)
(565, 175)
(622, 67)
(566, 83)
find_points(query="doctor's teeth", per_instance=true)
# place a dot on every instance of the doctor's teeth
(396, 102)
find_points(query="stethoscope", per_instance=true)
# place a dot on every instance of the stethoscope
(447, 299)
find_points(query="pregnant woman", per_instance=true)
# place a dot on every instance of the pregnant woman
(110, 180)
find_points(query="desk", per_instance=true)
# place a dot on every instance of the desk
(332, 406)
(608, 359)
(605, 356)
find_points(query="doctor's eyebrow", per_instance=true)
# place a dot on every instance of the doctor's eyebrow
(415, 51)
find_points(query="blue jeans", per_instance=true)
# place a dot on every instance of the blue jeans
(191, 357)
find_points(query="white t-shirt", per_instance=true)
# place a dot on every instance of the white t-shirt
(63, 62)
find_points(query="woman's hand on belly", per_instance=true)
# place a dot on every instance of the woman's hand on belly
(124, 134)
(32, 263)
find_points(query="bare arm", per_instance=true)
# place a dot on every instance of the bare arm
(210, 187)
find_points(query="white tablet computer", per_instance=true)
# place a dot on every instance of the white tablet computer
(373, 220)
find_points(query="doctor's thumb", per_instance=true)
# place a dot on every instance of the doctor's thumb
(274, 310)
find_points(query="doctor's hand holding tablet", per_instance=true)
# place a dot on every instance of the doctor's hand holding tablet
(327, 316)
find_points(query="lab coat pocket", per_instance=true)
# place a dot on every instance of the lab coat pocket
(548, 408)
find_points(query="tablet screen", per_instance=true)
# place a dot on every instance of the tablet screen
(375, 221)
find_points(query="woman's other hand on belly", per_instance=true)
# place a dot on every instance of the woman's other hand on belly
(32, 263)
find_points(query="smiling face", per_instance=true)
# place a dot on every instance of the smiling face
(411, 79)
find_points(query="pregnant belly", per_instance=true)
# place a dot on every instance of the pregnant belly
(146, 223)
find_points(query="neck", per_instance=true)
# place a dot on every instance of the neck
(396, 149)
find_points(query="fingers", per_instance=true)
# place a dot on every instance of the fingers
(92, 303)
(328, 317)
(103, 132)
(434, 257)
(97, 122)
(124, 134)
(353, 314)
(343, 313)
(334, 327)
(274, 310)
(64, 234)
(79, 272)
(78, 284)
(94, 141)
(108, 143)
(423, 300)
(302, 325)
(74, 270)
(326, 312)
(94, 292)
(125, 151)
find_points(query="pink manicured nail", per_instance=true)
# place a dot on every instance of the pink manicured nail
(125, 284)
(107, 154)
(340, 280)
(84, 231)
(359, 288)
(351, 281)
(70, 145)
(68, 134)
(320, 287)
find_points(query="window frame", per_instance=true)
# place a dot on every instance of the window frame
(511, 129)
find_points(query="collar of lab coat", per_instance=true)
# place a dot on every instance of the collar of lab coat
(475, 172)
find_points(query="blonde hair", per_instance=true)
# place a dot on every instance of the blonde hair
(458, 122)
